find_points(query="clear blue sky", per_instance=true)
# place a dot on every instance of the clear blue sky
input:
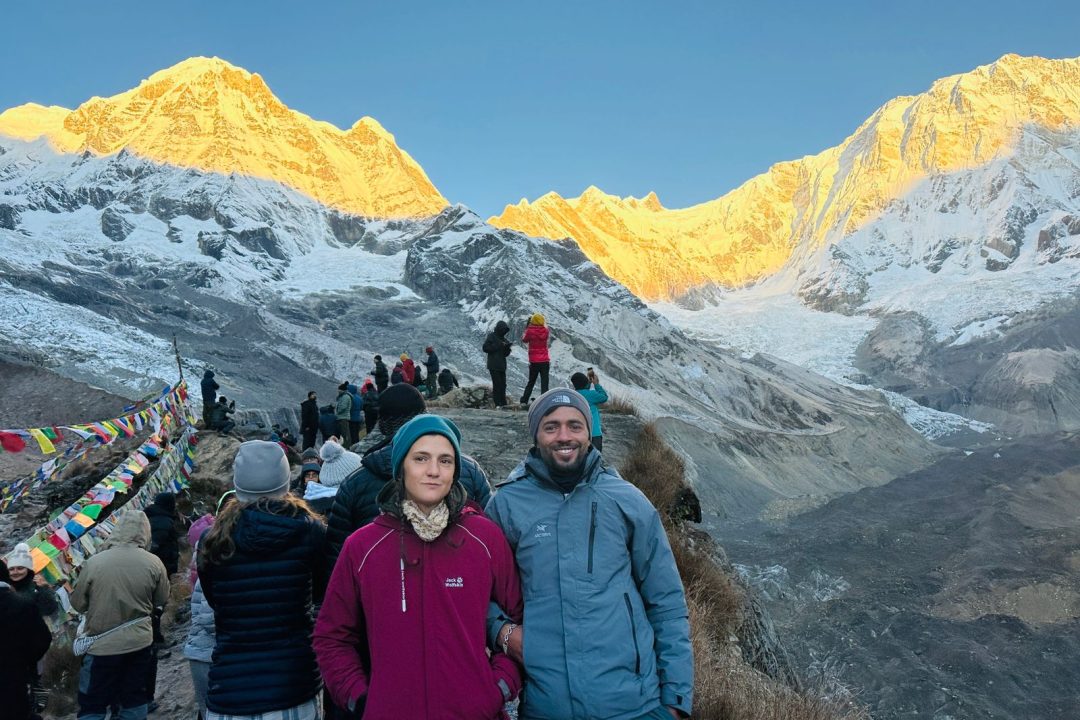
(503, 100)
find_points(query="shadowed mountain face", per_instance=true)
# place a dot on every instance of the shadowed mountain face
(953, 592)
(1022, 375)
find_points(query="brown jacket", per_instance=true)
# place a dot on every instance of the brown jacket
(121, 583)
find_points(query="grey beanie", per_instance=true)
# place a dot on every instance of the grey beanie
(557, 398)
(260, 470)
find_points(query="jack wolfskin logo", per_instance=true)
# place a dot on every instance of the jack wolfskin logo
(455, 582)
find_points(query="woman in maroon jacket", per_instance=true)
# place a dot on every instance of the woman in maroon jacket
(536, 337)
(401, 633)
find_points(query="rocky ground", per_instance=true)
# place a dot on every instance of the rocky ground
(953, 592)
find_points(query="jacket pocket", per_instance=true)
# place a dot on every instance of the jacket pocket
(592, 534)
(633, 633)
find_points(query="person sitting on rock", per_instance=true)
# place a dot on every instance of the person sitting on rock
(219, 415)
(447, 381)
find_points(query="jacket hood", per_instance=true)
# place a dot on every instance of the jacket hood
(165, 501)
(262, 533)
(208, 374)
(501, 328)
(353, 390)
(133, 529)
(380, 463)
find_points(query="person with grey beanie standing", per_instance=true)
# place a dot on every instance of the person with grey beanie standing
(261, 569)
(608, 628)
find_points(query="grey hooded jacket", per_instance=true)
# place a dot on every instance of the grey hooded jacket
(607, 633)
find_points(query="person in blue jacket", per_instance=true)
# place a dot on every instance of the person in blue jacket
(356, 417)
(606, 631)
(588, 386)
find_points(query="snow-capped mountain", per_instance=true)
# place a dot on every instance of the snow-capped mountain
(934, 253)
(106, 258)
(206, 114)
(787, 217)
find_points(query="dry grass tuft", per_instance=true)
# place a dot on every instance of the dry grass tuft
(656, 469)
(618, 405)
(725, 686)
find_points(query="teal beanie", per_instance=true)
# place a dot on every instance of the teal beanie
(416, 428)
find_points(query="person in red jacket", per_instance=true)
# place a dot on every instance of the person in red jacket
(401, 632)
(408, 368)
(536, 337)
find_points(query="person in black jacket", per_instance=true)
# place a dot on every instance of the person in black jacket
(26, 638)
(165, 544)
(447, 381)
(369, 397)
(355, 504)
(34, 588)
(209, 394)
(309, 420)
(432, 365)
(261, 569)
(498, 348)
(381, 374)
(164, 537)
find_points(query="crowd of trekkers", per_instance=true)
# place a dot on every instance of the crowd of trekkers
(390, 578)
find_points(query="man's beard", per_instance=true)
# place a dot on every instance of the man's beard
(558, 467)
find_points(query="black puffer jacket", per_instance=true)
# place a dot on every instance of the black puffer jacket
(355, 504)
(43, 597)
(497, 346)
(26, 637)
(263, 598)
(164, 537)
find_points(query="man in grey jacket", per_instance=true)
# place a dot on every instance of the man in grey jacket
(606, 624)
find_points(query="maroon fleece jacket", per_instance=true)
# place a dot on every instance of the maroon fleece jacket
(419, 609)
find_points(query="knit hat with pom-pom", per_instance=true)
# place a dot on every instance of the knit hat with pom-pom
(338, 464)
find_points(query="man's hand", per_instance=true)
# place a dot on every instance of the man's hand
(514, 646)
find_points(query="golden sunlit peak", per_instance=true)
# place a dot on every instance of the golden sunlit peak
(959, 123)
(208, 114)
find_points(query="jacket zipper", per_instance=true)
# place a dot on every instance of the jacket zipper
(423, 617)
(633, 632)
(592, 534)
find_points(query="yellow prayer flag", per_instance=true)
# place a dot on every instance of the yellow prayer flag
(43, 442)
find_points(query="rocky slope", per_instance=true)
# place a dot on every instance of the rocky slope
(953, 592)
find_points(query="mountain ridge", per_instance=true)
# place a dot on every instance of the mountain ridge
(799, 206)
(207, 114)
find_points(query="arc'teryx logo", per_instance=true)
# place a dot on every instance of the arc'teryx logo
(542, 531)
(455, 582)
